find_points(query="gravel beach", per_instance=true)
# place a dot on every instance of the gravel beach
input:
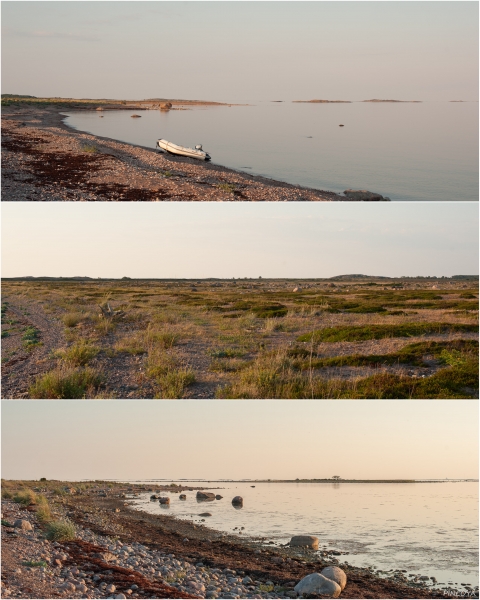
(44, 160)
(119, 552)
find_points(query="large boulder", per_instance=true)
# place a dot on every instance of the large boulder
(335, 574)
(202, 496)
(237, 501)
(364, 196)
(318, 585)
(304, 541)
(22, 524)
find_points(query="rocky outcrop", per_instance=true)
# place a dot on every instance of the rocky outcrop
(304, 541)
(365, 196)
(317, 585)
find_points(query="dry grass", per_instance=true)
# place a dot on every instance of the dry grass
(241, 334)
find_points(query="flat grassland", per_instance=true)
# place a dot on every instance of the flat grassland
(338, 338)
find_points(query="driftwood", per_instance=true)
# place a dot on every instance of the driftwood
(109, 313)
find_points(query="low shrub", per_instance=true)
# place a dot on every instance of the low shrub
(65, 384)
(60, 531)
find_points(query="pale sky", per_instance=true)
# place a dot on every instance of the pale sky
(242, 51)
(223, 239)
(74, 440)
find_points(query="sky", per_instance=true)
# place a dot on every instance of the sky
(225, 240)
(241, 51)
(72, 440)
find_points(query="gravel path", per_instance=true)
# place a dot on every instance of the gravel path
(44, 160)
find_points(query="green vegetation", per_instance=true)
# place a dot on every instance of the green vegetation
(90, 148)
(78, 354)
(72, 319)
(60, 531)
(168, 374)
(34, 563)
(378, 332)
(25, 497)
(226, 187)
(66, 384)
(30, 338)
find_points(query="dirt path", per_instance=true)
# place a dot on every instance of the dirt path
(44, 160)
(21, 363)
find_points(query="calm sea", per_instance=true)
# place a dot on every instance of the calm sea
(426, 151)
(426, 528)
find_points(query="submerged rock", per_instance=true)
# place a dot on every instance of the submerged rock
(319, 585)
(205, 496)
(337, 575)
(364, 196)
(304, 541)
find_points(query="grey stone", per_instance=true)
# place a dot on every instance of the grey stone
(24, 525)
(238, 501)
(319, 585)
(218, 497)
(335, 574)
(304, 541)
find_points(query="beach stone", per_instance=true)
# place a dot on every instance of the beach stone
(22, 524)
(182, 497)
(68, 587)
(206, 514)
(304, 541)
(237, 501)
(319, 585)
(364, 195)
(218, 497)
(165, 106)
(110, 588)
(99, 108)
(205, 496)
(136, 116)
(335, 574)
(164, 500)
(81, 587)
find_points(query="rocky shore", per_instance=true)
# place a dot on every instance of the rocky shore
(116, 551)
(44, 160)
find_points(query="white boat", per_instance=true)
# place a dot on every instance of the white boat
(196, 152)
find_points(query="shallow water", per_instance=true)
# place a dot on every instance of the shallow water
(426, 528)
(426, 151)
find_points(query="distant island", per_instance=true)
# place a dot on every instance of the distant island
(323, 101)
(376, 100)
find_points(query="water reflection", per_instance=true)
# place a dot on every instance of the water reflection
(423, 151)
(424, 528)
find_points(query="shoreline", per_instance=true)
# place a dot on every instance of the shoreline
(106, 524)
(43, 159)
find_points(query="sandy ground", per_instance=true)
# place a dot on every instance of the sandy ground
(44, 160)
(108, 531)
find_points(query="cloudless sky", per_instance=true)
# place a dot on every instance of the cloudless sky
(85, 439)
(222, 239)
(241, 51)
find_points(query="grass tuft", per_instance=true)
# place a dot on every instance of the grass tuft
(60, 531)
(66, 384)
(79, 354)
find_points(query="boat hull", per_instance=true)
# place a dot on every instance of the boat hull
(182, 151)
